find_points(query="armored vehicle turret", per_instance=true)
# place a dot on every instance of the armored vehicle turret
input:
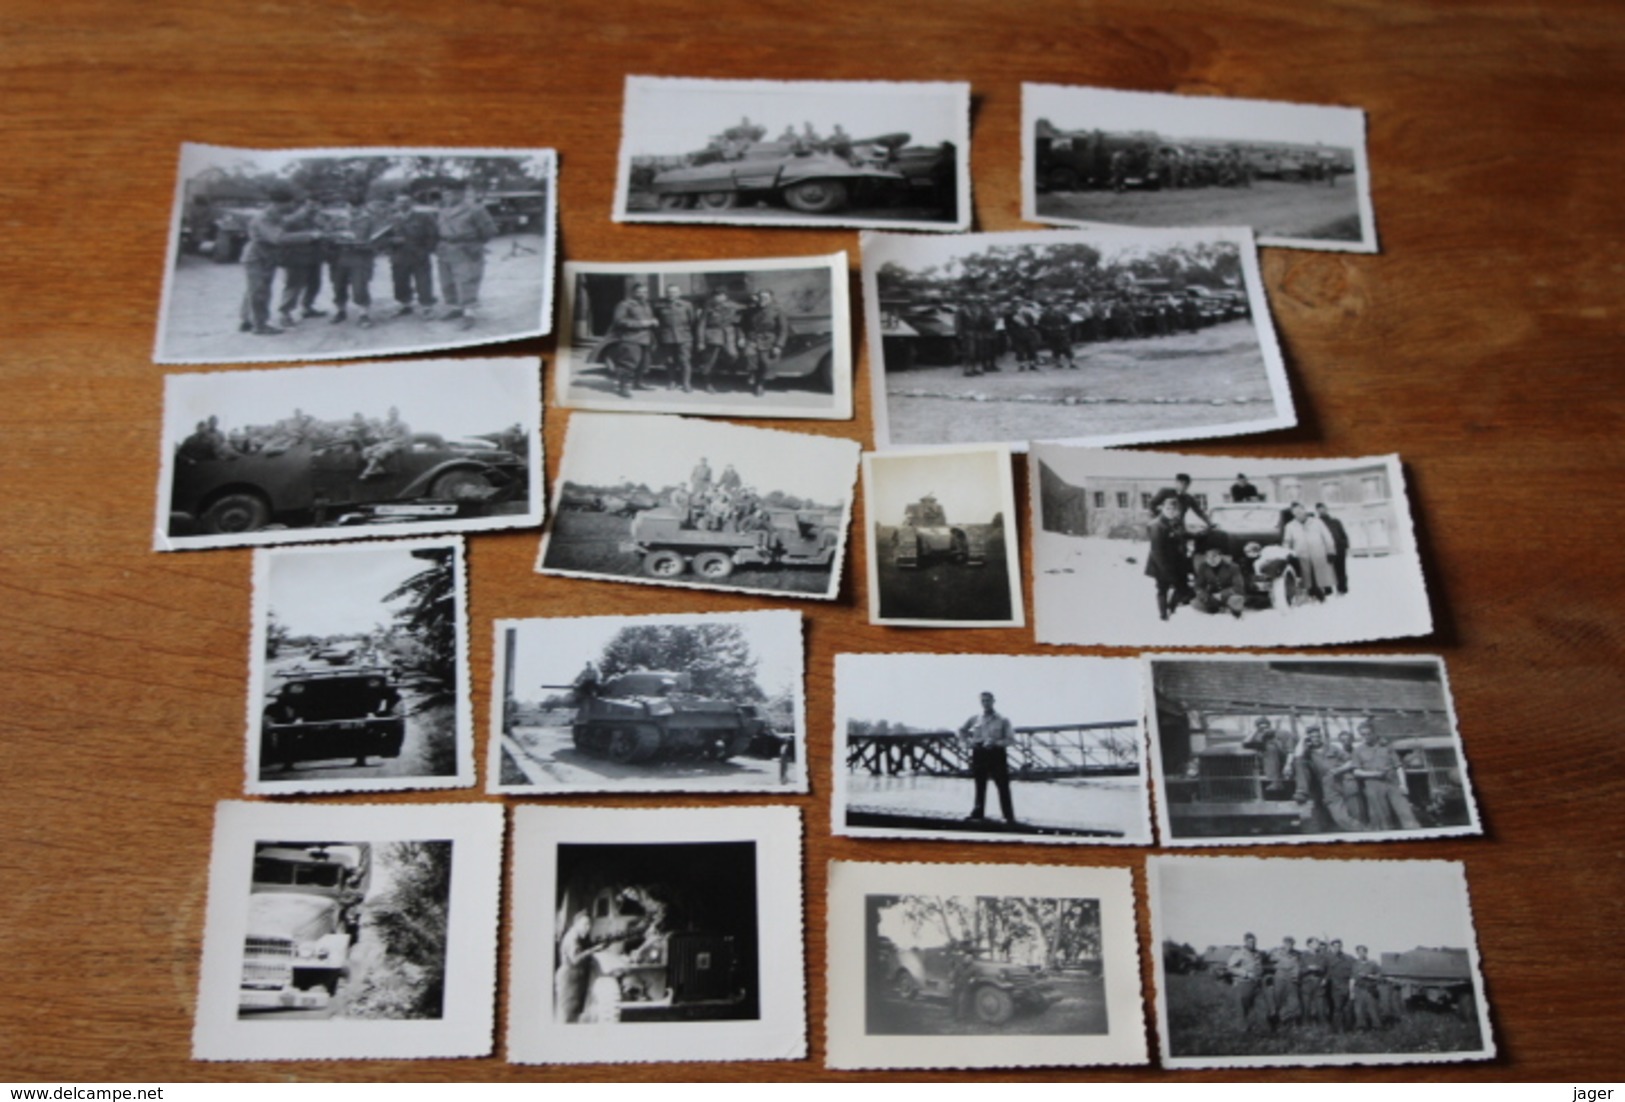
(926, 534)
(648, 714)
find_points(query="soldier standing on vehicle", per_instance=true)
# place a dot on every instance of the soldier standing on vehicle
(1274, 756)
(586, 682)
(413, 238)
(699, 479)
(631, 328)
(990, 736)
(767, 331)
(718, 335)
(268, 233)
(1366, 982)
(675, 337)
(1246, 971)
(301, 267)
(464, 226)
(1242, 490)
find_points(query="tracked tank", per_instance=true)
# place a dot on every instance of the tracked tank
(654, 714)
(813, 177)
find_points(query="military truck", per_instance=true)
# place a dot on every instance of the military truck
(304, 916)
(1441, 979)
(925, 534)
(648, 714)
(810, 177)
(1068, 161)
(345, 712)
(670, 542)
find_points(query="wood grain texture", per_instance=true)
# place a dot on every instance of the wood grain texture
(1482, 344)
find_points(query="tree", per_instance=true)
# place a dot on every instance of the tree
(276, 634)
(429, 617)
(410, 921)
(717, 657)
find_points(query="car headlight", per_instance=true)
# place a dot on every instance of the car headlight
(375, 683)
(323, 953)
(296, 689)
(305, 952)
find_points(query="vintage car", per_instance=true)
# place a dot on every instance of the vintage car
(1233, 527)
(304, 916)
(812, 178)
(316, 714)
(317, 482)
(998, 991)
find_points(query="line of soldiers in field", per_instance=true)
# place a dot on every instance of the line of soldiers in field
(1319, 986)
(985, 327)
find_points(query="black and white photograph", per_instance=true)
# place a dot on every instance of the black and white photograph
(741, 338)
(1276, 962)
(303, 454)
(982, 966)
(795, 153)
(1141, 549)
(701, 505)
(990, 748)
(1293, 748)
(656, 935)
(364, 931)
(328, 254)
(1105, 336)
(1295, 173)
(359, 668)
(941, 539)
(696, 702)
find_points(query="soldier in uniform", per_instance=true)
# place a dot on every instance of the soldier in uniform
(412, 242)
(267, 235)
(301, 267)
(1242, 490)
(1288, 965)
(1367, 985)
(1055, 326)
(675, 336)
(1274, 755)
(353, 240)
(1246, 971)
(631, 328)
(699, 480)
(1312, 984)
(987, 337)
(464, 226)
(965, 336)
(1318, 785)
(1166, 562)
(392, 438)
(1340, 547)
(1021, 324)
(1119, 169)
(718, 335)
(1339, 974)
(1382, 781)
(767, 330)
(730, 479)
(1220, 585)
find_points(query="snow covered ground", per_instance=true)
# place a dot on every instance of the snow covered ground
(1093, 590)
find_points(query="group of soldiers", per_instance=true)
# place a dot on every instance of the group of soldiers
(301, 238)
(1178, 167)
(1320, 985)
(376, 439)
(986, 327)
(688, 340)
(720, 504)
(1352, 782)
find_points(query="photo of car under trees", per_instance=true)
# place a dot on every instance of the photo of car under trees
(359, 668)
(983, 965)
(1105, 336)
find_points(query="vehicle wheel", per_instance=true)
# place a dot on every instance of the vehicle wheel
(713, 564)
(623, 745)
(461, 485)
(823, 376)
(234, 513)
(672, 201)
(993, 1006)
(1284, 592)
(1063, 179)
(664, 564)
(904, 985)
(816, 196)
(717, 200)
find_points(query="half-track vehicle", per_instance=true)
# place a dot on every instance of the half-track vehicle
(648, 714)
(1438, 978)
(997, 991)
(344, 712)
(810, 177)
(670, 541)
(925, 534)
(304, 916)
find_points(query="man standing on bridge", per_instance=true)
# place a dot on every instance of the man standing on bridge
(989, 734)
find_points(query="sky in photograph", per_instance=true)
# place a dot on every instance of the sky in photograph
(552, 651)
(1389, 906)
(1075, 464)
(1194, 116)
(196, 158)
(603, 449)
(942, 691)
(970, 486)
(451, 397)
(337, 591)
(1116, 244)
(667, 118)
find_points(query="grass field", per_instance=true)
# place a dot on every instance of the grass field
(1204, 1020)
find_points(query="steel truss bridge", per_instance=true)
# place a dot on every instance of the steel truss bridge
(1068, 750)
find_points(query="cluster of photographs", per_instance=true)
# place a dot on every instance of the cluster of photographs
(371, 930)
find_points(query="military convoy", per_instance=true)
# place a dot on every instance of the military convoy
(648, 714)
(304, 917)
(670, 543)
(925, 534)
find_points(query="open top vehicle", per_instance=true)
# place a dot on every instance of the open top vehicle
(320, 483)
(670, 543)
(317, 714)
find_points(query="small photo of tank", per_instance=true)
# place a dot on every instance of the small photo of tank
(925, 535)
(635, 717)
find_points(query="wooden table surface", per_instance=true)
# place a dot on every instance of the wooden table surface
(1482, 344)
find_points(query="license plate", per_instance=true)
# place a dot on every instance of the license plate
(414, 510)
